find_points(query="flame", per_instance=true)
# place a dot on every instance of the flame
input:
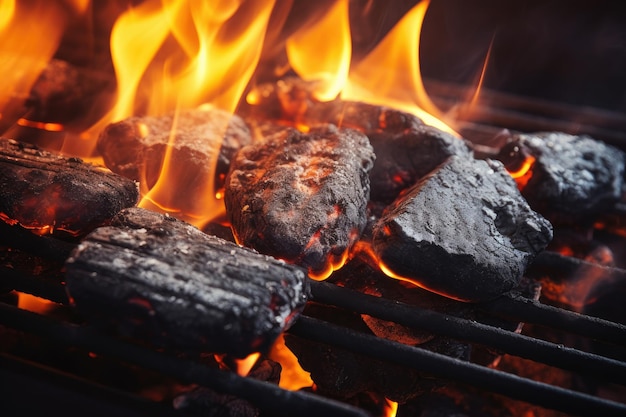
(30, 33)
(245, 365)
(194, 201)
(390, 74)
(390, 409)
(368, 252)
(481, 79)
(7, 9)
(50, 127)
(170, 55)
(333, 264)
(292, 376)
(314, 58)
(191, 51)
(524, 173)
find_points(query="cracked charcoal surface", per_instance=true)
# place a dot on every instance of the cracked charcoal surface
(301, 197)
(135, 147)
(403, 157)
(151, 277)
(463, 231)
(40, 189)
(573, 175)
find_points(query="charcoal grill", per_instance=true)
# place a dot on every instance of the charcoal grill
(37, 385)
(45, 381)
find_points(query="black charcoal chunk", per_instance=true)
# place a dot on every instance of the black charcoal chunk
(301, 197)
(572, 175)
(154, 278)
(463, 231)
(403, 157)
(290, 101)
(49, 193)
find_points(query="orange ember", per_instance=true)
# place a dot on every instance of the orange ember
(34, 304)
(524, 173)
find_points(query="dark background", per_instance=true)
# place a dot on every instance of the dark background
(566, 51)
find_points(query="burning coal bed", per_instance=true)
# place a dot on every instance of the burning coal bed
(344, 191)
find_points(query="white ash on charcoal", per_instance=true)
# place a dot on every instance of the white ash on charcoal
(463, 231)
(301, 197)
(157, 279)
(571, 177)
(52, 194)
(197, 139)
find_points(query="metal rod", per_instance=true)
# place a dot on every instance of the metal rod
(442, 324)
(35, 389)
(34, 285)
(453, 369)
(530, 311)
(264, 395)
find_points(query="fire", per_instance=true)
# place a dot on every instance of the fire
(391, 408)
(170, 55)
(245, 365)
(368, 253)
(315, 59)
(292, 376)
(390, 74)
(524, 173)
(30, 33)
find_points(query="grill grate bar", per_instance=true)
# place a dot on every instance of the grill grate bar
(538, 393)
(54, 387)
(530, 311)
(264, 395)
(438, 323)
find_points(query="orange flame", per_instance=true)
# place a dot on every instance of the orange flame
(292, 376)
(7, 9)
(30, 33)
(314, 58)
(170, 55)
(524, 173)
(365, 249)
(391, 408)
(390, 74)
(481, 79)
(245, 365)
(197, 201)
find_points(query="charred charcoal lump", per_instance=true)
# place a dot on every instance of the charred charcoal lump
(49, 193)
(299, 196)
(463, 231)
(202, 138)
(154, 278)
(570, 175)
(405, 156)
